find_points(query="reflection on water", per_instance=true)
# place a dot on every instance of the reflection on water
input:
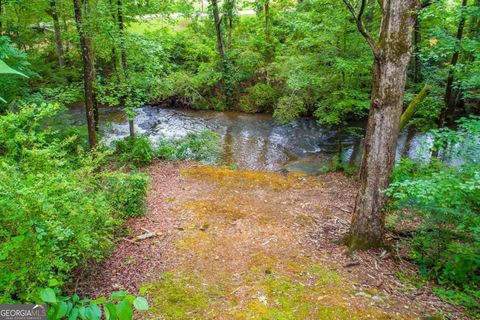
(253, 141)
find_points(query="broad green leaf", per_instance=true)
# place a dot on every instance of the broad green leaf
(48, 295)
(99, 300)
(62, 310)
(93, 312)
(73, 315)
(140, 303)
(53, 283)
(124, 310)
(81, 313)
(110, 312)
(118, 295)
(4, 68)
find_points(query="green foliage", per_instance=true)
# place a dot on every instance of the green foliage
(260, 97)
(127, 192)
(447, 198)
(57, 207)
(201, 146)
(14, 67)
(136, 150)
(118, 306)
(289, 108)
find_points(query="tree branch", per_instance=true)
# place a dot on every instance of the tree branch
(361, 27)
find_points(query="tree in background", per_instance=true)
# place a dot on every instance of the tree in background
(53, 11)
(86, 47)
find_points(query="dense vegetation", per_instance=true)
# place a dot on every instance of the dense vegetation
(446, 244)
(62, 203)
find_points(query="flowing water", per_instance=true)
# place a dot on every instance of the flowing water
(253, 141)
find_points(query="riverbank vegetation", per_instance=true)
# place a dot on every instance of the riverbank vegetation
(65, 195)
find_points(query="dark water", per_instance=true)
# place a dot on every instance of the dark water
(253, 141)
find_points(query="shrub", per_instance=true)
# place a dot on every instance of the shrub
(258, 98)
(447, 199)
(118, 306)
(57, 210)
(201, 146)
(127, 192)
(289, 108)
(137, 150)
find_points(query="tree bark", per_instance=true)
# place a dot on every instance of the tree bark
(1, 17)
(268, 40)
(391, 58)
(221, 50)
(58, 34)
(417, 66)
(218, 31)
(123, 57)
(88, 70)
(121, 28)
(449, 97)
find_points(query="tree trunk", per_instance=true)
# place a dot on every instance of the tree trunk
(123, 57)
(221, 50)
(268, 40)
(391, 59)
(417, 65)
(121, 28)
(218, 31)
(449, 97)
(229, 8)
(58, 34)
(88, 70)
(131, 127)
(1, 17)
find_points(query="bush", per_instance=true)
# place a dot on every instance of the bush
(201, 146)
(118, 305)
(447, 199)
(57, 209)
(258, 98)
(127, 193)
(289, 108)
(137, 150)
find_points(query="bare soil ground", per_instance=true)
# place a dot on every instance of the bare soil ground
(257, 245)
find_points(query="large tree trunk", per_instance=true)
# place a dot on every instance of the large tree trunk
(450, 97)
(88, 70)
(58, 34)
(392, 56)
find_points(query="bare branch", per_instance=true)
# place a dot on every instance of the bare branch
(361, 27)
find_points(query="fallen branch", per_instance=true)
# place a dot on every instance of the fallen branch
(412, 107)
(148, 234)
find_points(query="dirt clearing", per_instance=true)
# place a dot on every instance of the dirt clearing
(256, 245)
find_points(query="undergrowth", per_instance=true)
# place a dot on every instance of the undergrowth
(446, 201)
(60, 202)
(139, 150)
